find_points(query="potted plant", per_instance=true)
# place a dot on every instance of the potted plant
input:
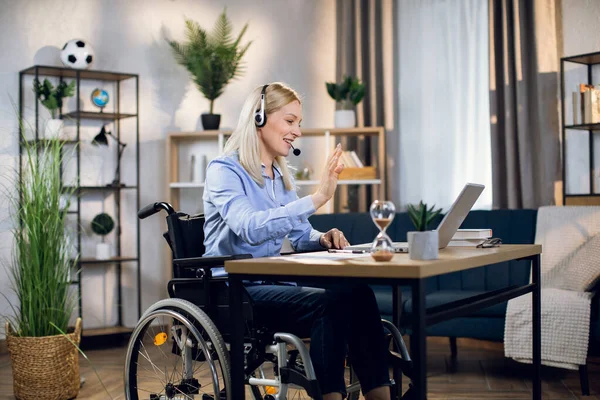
(45, 362)
(52, 98)
(347, 94)
(213, 60)
(422, 244)
(102, 225)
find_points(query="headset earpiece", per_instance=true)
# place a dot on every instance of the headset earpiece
(260, 117)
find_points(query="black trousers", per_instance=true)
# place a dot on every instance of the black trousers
(340, 320)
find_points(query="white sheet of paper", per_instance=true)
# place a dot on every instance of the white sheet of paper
(325, 255)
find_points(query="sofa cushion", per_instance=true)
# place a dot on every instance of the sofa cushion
(484, 328)
(432, 299)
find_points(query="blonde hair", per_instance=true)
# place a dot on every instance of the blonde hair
(244, 138)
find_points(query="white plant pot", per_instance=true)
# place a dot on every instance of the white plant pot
(423, 245)
(53, 129)
(103, 251)
(345, 119)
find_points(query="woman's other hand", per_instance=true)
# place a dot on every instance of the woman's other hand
(329, 178)
(334, 239)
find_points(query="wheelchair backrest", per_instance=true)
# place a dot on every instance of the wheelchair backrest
(186, 235)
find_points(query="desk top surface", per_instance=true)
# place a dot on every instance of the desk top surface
(450, 259)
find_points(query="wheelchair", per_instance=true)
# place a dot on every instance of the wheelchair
(179, 348)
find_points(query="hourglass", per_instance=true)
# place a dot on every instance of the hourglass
(382, 213)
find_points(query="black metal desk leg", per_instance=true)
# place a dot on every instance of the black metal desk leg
(537, 328)
(396, 315)
(418, 340)
(237, 338)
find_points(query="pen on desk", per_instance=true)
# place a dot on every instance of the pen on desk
(347, 251)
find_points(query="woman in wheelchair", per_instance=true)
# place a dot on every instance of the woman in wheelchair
(251, 205)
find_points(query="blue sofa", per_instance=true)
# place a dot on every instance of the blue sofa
(512, 226)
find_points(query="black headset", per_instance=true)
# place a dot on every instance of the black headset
(260, 117)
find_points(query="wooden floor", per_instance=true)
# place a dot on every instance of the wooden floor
(481, 372)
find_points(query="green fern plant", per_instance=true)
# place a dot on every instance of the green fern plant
(51, 97)
(213, 59)
(347, 93)
(421, 216)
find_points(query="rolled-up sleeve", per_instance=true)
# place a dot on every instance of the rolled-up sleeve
(225, 189)
(304, 237)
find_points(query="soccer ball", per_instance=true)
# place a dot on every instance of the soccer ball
(77, 53)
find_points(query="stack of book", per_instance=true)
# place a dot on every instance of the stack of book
(354, 168)
(586, 105)
(350, 159)
(470, 237)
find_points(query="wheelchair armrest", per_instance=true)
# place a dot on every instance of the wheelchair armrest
(189, 281)
(208, 262)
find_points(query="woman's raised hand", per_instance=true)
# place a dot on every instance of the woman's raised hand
(329, 178)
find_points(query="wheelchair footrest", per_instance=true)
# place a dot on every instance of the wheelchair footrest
(289, 375)
(397, 361)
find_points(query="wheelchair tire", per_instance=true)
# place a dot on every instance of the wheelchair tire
(188, 324)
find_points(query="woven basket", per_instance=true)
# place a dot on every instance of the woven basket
(45, 367)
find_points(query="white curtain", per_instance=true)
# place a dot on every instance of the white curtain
(444, 119)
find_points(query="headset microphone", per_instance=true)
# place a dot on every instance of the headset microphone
(296, 151)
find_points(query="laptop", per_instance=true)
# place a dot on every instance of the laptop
(450, 223)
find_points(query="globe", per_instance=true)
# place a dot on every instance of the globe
(100, 97)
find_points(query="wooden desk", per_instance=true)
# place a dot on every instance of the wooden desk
(401, 270)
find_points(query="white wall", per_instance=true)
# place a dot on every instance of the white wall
(580, 19)
(293, 41)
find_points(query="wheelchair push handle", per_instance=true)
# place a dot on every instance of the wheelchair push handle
(153, 208)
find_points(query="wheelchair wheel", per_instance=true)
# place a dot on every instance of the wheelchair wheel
(176, 353)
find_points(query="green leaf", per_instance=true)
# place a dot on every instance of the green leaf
(332, 90)
(40, 269)
(221, 35)
(214, 60)
(51, 97)
(422, 216)
(349, 90)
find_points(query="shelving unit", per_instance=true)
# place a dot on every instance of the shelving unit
(591, 197)
(176, 183)
(77, 116)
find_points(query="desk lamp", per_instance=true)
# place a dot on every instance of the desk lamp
(101, 139)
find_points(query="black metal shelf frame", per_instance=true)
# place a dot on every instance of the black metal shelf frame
(76, 116)
(589, 60)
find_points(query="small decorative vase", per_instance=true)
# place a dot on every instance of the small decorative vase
(211, 122)
(53, 129)
(423, 245)
(345, 119)
(102, 251)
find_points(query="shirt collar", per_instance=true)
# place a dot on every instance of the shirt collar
(275, 168)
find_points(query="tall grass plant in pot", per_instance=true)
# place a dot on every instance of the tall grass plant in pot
(45, 362)
(213, 60)
(423, 244)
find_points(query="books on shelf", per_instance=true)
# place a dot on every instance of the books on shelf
(586, 105)
(350, 159)
(472, 234)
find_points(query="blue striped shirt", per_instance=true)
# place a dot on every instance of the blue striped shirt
(244, 218)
